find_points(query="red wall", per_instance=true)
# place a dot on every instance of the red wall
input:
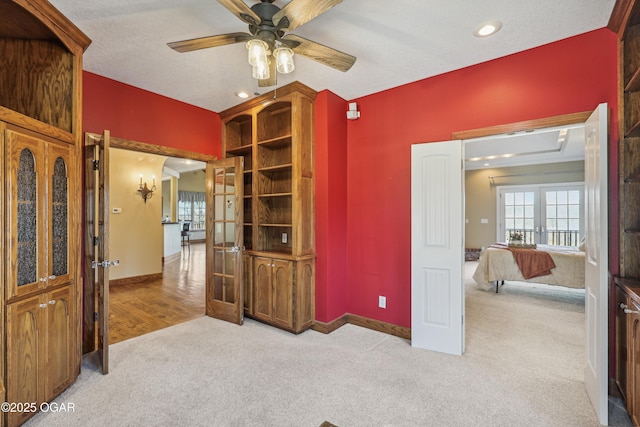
(142, 116)
(568, 76)
(363, 166)
(331, 206)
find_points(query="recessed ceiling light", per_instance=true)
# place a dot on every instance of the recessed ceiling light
(242, 95)
(487, 28)
(486, 164)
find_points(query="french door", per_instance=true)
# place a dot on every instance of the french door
(225, 195)
(550, 214)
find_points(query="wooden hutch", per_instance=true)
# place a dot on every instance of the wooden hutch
(625, 19)
(40, 134)
(274, 135)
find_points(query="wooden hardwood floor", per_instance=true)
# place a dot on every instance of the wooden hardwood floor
(139, 308)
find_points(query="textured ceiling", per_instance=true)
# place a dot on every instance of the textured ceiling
(396, 42)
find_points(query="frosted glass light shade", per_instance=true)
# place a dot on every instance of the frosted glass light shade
(261, 71)
(284, 60)
(257, 52)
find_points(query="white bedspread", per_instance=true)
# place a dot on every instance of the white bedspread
(499, 264)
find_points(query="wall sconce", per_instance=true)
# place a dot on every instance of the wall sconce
(145, 191)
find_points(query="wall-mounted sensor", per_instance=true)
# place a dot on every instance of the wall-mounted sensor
(353, 113)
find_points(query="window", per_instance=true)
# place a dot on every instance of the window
(550, 214)
(192, 207)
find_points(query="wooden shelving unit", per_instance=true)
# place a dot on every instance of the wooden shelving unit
(275, 138)
(40, 133)
(627, 320)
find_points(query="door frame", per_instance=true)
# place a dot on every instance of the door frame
(89, 336)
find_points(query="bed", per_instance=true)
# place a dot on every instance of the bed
(498, 263)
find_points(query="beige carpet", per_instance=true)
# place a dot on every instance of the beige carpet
(523, 367)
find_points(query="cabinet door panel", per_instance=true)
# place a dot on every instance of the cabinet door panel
(633, 388)
(262, 289)
(25, 354)
(60, 181)
(282, 293)
(60, 340)
(248, 284)
(621, 342)
(26, 239)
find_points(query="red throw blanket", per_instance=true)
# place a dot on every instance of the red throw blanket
(532, 263)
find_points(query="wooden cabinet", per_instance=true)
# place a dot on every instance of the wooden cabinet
(275, 138)
(38, 211)
(40, 363)
(626, 17)
(622, 351)
(40, 135)
(627, 344)
(633, 366)
(273, 284)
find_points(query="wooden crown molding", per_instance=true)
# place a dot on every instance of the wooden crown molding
(565, 119)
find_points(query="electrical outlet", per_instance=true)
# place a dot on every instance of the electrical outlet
(382, 302)
(284, 237)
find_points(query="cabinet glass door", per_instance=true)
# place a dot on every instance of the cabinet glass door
(60, 180)
(225, 298)
(27, 241)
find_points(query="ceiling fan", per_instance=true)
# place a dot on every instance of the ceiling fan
(270, 45)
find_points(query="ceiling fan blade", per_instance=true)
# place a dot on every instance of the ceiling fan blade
(241, 10)
(300, 11)
(273, 77)
(210, 41)
(325, 55)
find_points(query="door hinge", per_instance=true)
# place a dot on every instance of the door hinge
(96, 239)
(96, 165)
(95, 316)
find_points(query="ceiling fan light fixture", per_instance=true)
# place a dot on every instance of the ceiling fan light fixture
(284, 60)
(257, 52)
(261, 71)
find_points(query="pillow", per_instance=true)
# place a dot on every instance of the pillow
(581, 245)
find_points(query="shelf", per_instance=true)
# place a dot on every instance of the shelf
(276, 195)
(632, 232)
(240, 150)
(633, 131)
(632, 180)
(276, 168)
(634, 82)
(282, 110)
(276, 225)
(276, 142)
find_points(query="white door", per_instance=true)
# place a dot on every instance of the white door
(437, 242)
(596, 270)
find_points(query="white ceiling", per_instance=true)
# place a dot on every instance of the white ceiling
(174, 166)
(550, 145)
(396, 42)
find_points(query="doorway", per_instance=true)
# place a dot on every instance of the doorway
(431, 219)
(90, 334)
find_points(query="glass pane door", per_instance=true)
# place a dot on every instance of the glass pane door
(551, 214)
(519, 214)
(224, 239)
(563, 219)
